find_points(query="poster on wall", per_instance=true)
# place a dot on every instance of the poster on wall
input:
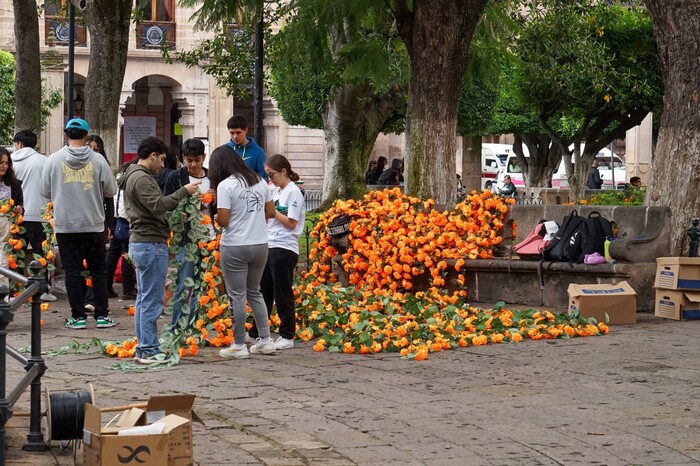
(135, 129)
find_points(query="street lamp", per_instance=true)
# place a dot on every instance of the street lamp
(78, 102)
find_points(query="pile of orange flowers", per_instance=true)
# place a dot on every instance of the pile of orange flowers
(394, 239)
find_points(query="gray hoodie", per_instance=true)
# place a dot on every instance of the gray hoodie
(76, 179)
(28, 165)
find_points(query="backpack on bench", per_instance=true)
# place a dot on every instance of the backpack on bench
(590, 237)
(558, 249)
(534, 244)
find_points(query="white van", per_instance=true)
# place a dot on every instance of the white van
(560, 180)
(493, 159)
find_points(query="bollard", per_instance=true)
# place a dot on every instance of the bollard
(5, 406)
(693, 234)
(35, 439)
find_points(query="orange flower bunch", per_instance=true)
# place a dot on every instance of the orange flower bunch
(126, 349)
(351, 320)
(394, 238)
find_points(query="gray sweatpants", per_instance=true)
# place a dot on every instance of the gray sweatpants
(243, 267)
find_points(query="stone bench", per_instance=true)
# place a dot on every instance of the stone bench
(642, 237)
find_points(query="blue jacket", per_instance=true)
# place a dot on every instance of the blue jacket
(253, 156)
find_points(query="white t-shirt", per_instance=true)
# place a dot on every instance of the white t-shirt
(203, 189)
(278, 235)
(246, 224)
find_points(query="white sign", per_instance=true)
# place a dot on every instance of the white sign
(136, 128)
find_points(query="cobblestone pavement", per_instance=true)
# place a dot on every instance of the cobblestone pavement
(630, 397)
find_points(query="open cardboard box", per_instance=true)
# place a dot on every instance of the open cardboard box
(618, 301)
(677, 304)
(677, 273)
(104, 446)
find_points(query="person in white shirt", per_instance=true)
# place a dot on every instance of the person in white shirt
(283, 232)
(244, 204)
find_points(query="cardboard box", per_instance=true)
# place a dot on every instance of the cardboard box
(677, 304)
(677, 273)
(103, 446)
(618, 301)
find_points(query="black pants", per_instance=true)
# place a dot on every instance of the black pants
(74, 248)
(34, 235)
(276, 288)
(114, 252)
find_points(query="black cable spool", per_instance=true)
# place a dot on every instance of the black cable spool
(66, 415)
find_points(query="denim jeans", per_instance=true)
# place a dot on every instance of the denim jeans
(186, 270)
(151, 263)
(74, 247)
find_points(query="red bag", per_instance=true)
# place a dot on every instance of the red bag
(532, 246)
(118, 272)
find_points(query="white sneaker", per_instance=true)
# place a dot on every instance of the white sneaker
(59, 286)
(250, 340)
(235, 351)
(283, 343)
(48, 297)
(267, 347)
(89, 308)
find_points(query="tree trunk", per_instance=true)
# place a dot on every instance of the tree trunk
(543, 162)
(437, 34)
(351, 122)
(676, 163)
(28, 62)
(109, 24)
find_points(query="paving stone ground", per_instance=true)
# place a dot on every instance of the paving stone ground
(630, 397)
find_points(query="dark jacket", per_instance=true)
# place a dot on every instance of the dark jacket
(508, 190)
(392, 174)
(594, 180)
(146, 206)
(176, 180)
(373, 177)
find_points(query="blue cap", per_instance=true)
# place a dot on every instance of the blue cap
(78, 123)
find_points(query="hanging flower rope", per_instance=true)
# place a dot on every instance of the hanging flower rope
(210, 319)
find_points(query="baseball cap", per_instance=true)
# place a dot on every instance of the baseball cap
(78, 123)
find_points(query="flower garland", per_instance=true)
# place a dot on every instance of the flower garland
(212, 324)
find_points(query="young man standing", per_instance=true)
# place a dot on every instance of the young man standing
(28, 165)
(192, 171)
(77, 180)
(245, 146)
(147, 209)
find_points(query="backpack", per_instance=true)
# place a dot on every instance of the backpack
(558, 249)
(589, 238)
(536, 241)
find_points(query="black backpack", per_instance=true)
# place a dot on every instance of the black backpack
(558, 249)
(589, 238)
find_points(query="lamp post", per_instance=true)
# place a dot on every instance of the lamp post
(71, 58)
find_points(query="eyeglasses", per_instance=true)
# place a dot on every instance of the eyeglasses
(271, 174)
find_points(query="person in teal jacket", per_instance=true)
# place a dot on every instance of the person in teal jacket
(252, 154)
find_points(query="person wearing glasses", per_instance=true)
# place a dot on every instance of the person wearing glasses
(283, 232)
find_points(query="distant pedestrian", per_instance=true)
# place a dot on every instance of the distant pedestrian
(250, 152)
(243, 204)
(28, 164)
(77, 180)
(594, 180)
(377, 171)
(508, 189)
(636, 182)
(147, 209)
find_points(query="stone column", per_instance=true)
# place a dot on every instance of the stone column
(638, 153)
